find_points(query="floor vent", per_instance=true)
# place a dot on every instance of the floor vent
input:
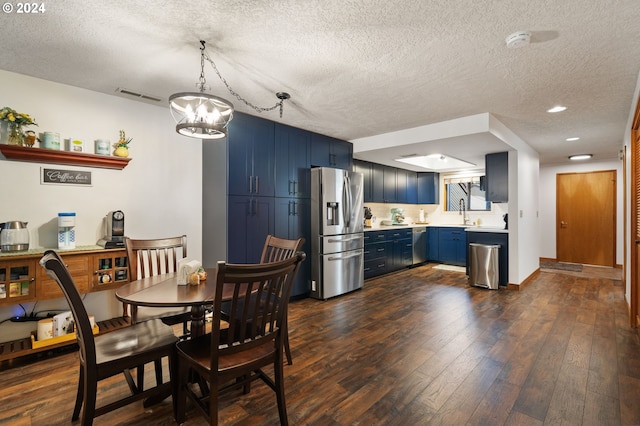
(138, 95)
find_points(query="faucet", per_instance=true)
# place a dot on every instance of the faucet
(463, 211)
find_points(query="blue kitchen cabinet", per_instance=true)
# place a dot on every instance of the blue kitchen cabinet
(407, 186)
(433, 246)
(292, 221)
(390, 186)
(331, 152)
(377, 183)
(497, 177)
(387, 251)
(428, 188)
(251, 219)
(292, 161)
(251, 156)
(452, 245)
(364, 167)
(375, 253)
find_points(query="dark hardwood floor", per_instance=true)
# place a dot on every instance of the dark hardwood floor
(417, 347)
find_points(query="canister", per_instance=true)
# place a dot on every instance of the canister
(103, 147)
(51, 140)
(66, 230)
(75, 145)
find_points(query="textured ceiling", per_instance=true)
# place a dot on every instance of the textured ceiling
(357, 68)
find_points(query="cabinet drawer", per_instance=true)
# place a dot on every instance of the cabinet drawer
(78, 267)
(375, 251)
(375, 267)
(374, 236)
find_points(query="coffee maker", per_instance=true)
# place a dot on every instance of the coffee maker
(115, 230)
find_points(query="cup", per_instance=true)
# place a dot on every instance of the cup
(103, 147)
(51, 140)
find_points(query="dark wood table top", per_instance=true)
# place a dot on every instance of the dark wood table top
(164, 291)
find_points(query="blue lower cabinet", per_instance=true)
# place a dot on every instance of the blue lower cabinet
(447, 244)
(387, 251)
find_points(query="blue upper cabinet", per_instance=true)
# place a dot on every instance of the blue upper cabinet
(251, 150)
(331, 152)
(497, 177)
(293, 178)
(407, 186)
(364, 167)
(428, 188)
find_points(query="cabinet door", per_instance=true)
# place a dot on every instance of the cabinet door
(389, 189)
(364, 167)
(330, 152)
(497, 177)
(109, 270)
(428, 188)
(377, 183)
(292, 222)
(251, 219)
(433, 243)
(342, 154)
(406, 186)
(17, 282)
(251, 152)
(292, 162)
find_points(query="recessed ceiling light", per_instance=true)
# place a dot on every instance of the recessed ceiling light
(572, 139)
(435, 162)
(580, 157)
(557, 108)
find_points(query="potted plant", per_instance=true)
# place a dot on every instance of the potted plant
(14, 121)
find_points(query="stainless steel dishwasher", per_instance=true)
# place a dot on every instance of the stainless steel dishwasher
(419, 244)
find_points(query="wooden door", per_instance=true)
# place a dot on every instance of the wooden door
(586, 217)
(635, 221)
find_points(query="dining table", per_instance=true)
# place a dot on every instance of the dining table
(163, 291)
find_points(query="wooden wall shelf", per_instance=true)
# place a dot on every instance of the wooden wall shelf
(42, 155)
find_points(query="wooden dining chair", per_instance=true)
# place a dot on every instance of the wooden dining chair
(154, 257)
(232, 358)
(108, 355)
(274, 250)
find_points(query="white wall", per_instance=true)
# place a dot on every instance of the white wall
(160, 191)
(548, 202)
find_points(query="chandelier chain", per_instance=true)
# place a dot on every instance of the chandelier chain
(233, 92)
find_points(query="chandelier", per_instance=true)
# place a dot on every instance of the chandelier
(204, 116)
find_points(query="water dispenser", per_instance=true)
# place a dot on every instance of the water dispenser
(66, 231)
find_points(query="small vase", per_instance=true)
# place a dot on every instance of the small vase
(121, 151)
(16, 137)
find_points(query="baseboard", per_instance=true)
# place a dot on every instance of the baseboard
(524, 283)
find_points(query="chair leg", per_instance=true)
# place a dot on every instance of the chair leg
(90, 395)
(278, 370)
(79, 396)
(158, 367)
(287, 349)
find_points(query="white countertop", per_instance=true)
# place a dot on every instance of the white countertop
(419, 225)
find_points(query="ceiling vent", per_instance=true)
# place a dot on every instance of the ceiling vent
(140, 96)
(518, 39)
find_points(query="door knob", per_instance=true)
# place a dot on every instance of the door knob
(563, 224)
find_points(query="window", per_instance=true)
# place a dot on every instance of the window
(468, 192)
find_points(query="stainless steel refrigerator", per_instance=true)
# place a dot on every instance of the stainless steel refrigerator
(337, 232)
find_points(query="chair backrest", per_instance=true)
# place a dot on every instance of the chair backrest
(57, 270)
(259, 304)
(276, 249)
(154, 257)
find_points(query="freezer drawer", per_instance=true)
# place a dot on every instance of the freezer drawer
(340, 273)
(341, 243)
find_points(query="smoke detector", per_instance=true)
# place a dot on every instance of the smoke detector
(518, 39)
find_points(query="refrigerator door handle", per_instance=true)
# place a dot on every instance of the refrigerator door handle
(342, 240)
(334, 258)
(347, 201)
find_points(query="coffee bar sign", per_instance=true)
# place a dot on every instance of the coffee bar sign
(65, 177)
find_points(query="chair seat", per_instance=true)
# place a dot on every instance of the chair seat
(199, 350)
(133, 341)
(170, 316)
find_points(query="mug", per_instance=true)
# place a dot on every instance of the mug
(51, 140)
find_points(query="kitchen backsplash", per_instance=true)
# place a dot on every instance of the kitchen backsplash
(435, 215)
